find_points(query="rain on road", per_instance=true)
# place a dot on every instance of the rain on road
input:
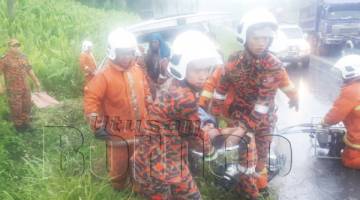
(313, 178)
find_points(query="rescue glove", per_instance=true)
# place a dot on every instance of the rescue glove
(324, 124)
(102, 134)
(294, 103)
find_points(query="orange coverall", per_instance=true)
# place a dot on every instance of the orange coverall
(209, 88)
(118, 98)
(87, 65)
(347, 109)
(16, 68)
(254, 83)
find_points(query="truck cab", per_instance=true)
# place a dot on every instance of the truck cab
(331, 23)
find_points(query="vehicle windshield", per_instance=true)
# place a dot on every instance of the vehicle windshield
(344, 14)
(293, 33)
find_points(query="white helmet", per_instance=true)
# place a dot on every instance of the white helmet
(256, 17)
(120, 39)
(190, 46)
(349, 66)
(86, 45)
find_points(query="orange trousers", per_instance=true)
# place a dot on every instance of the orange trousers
(351, 158)
(20, 107)
(119, 155)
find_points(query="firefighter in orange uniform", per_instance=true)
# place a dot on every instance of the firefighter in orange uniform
(254, 75)
(87, 61)
(16, 68)
(347, 109)
(160, 165)
(115, 100)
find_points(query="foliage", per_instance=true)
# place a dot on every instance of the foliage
(52, 161)
(51, 33)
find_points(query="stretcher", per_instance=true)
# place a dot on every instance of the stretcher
(43, 100)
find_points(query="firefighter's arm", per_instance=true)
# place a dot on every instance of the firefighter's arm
(31, 73)
(221, 90)
(187, 111)
(83, 64)
(340, 109)
(34, 79)
(289, 89)
(147, 92)
(209, 87)
(94, 93)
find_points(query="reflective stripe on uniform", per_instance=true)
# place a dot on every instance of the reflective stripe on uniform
(262, 109)
(133, 96)
(288, 88)
(219, 96)
(93, 115)
(348, 143)
(207, 94)
(357, 108)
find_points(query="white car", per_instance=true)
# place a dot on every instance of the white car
(291, 46)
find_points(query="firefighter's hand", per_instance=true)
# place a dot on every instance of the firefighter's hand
(37, 86)
(102, 134)
(294, 103)
(95, 121)
(324, 124)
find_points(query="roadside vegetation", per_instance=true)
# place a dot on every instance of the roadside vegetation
(60, 159)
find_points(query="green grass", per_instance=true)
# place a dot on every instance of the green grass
(47, 163)
(51, 33)
(30, 162)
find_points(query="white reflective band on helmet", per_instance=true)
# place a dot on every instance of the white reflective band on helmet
(120, 39)
(219, 96)
(255, 17)
(262, 109)
(192, 46)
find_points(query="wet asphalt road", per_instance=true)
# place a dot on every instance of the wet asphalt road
(312, 178)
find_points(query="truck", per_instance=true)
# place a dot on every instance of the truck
(330, 24)
(150, 9)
